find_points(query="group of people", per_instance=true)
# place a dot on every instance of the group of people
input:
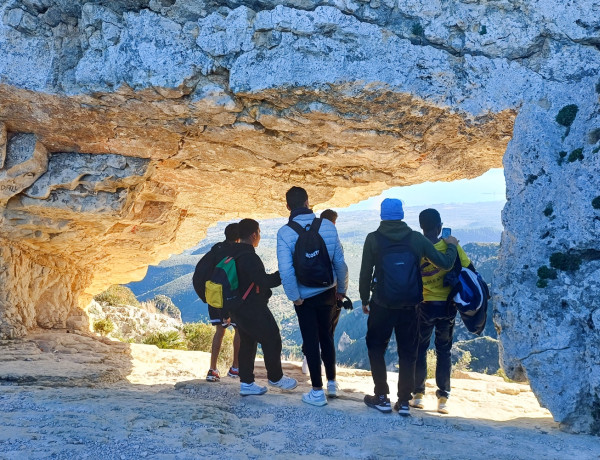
(401, 288)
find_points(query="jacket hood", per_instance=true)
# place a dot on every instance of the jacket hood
(395, 230)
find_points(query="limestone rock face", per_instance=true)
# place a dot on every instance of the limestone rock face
(133, 322)
(129, 127)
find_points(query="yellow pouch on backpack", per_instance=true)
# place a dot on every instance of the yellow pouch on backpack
(214, 294)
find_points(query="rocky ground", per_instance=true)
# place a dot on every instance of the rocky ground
(67, 396)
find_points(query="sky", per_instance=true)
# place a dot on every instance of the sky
(488, 187)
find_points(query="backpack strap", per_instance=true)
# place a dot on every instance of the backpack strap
(248, 291)
(314, 225)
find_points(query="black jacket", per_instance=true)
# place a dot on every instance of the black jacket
(250, 269)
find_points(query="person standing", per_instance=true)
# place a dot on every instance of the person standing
(435, 312)
(221, 323)
(254, 319)
(313, 304)
(394, 250)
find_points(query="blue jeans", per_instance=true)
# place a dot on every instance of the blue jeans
(439, 316)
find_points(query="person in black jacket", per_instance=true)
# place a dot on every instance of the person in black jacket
(254, 319)
(217, 252)
(401, 318)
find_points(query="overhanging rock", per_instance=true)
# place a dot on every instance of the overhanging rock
(189, 113)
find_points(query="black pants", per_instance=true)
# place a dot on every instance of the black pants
(380, 325)
(257, 325)
(314, 318)
(441, 316)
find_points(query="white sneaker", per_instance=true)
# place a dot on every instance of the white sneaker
(315, 398)
(417, 401)
(442, 405)
(248, 389)
(304, 366)
(285, 383)
(332, 388)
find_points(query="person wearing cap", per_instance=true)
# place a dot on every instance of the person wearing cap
(435, 312)
(385, 317)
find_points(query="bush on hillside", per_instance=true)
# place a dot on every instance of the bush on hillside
(118, 295)
(199, 337)
(104, 326)
(166, 340)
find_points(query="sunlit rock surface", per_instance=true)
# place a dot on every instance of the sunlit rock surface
(139, 124)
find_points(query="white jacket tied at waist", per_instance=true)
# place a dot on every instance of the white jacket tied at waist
(286, 243)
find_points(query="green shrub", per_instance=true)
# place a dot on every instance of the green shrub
(118, 295)
(575, 155)
(166, 340)
(566, 115)
(541, 283)
(549, 210)
(104, 326)
(501, 373)
(483, 30)
(562, 154)
(596, 203)
(463, 363)
(199, 337)
(417, 29)
(565, 262)
(546, 273)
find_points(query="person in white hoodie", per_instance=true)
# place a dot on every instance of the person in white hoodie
(313, 305)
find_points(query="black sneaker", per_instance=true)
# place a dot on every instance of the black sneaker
(379, 402)
(403, 408)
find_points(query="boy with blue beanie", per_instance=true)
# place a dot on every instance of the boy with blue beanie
(387, 316)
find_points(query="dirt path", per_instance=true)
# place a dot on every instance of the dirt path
(165, 410)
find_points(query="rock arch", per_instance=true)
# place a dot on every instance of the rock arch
(128, 128)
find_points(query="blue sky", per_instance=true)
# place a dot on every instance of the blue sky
(488, 187)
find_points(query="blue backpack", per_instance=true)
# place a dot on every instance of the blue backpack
(397, 279)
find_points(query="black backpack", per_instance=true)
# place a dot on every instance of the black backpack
(311, 258)
(397, 277)
(203, 270)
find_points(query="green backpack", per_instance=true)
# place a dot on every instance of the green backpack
(222, 288)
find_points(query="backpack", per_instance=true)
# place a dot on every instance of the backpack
(203, 271)
(397, 273)
(470, 294)
(222, 287)
(311, 259)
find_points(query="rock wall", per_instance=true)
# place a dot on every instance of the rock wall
(130, 127)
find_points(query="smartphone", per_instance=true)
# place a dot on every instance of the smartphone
(446, 232)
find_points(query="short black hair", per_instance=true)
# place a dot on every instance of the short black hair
(429, 219)
(247, 227)
(232, 232)
(296, 197)
(329, 214)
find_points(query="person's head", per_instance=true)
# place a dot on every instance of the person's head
(431, 222)
(232, 233)
(249, 231)
(296, 197)
(329, 214)
(391, 209)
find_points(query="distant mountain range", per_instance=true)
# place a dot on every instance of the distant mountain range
(470, 222)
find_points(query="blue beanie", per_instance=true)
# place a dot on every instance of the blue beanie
(391, 209)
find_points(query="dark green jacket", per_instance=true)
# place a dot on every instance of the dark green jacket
(398, 230)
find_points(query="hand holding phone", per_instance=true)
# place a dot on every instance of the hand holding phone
(446, 232)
